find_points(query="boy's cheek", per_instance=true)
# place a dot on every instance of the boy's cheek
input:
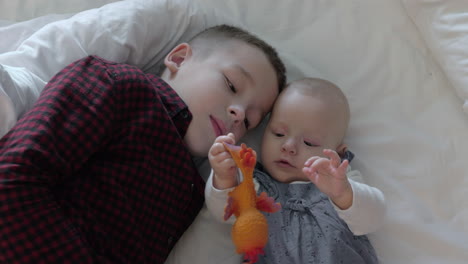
(238, 136)
(198, 147)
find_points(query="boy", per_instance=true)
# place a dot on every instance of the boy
(324, 215)
(100, 171)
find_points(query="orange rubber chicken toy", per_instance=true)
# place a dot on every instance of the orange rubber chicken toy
(250, 230)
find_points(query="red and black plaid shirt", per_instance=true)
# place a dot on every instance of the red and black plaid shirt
(97, 171)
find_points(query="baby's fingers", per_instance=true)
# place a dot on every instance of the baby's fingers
(216, 149)
(227, 163)
(229, 138)
(308, 171)
(341, 170)
(311, 174)
(333, 156)
(311, 161)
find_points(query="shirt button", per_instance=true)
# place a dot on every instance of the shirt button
(185, 114)
(169, 240)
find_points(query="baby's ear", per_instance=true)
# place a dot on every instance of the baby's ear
(176, 57)
(341, 149)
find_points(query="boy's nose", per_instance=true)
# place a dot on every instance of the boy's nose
(289, 146)
(237, 113)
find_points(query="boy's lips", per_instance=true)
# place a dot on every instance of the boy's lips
(218, 126)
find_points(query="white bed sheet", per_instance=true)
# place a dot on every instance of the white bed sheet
(444, 27)
(408, 128)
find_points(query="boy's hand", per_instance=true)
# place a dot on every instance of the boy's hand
(224, 167)
(329, 175)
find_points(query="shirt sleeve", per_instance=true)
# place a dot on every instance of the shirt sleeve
(368, 211)
(216, 200)
(69, 123)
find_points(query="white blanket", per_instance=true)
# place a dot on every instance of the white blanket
(402, 64)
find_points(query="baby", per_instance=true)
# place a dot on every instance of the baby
(326, 209)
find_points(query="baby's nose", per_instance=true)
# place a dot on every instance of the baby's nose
(289, 146)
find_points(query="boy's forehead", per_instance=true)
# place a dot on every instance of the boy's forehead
(241, 70)
(239, 60)
(248, 61)
(236, 50)
(206, 47)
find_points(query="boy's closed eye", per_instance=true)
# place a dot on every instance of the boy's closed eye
(230, 85)
(246, 123)
(233, 89)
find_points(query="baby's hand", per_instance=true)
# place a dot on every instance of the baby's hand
(224, 167)
(329, 175)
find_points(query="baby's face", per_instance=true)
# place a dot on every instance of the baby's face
(300, 127)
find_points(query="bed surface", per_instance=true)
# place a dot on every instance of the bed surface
(404, 68)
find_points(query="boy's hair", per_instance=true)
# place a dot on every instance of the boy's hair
(227, 32)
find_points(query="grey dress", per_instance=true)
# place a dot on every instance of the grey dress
(308, 229)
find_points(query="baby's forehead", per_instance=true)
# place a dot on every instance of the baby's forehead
(306, 99)
(321, 108)
(294, 106)
(317, 88)
(321, 90)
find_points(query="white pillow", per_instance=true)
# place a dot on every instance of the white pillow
(138, 32)
(444, 26)
(15, 11)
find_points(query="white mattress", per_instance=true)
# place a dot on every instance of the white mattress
(402, 64)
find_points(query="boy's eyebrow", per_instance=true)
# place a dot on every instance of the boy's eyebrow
(244, 72)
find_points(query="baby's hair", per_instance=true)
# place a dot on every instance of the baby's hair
(326, 91)
(227, 32)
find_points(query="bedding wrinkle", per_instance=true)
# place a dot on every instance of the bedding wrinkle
(444, 27)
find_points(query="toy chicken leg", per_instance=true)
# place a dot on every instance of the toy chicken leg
(250, 230)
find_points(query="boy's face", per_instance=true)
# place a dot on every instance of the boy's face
(229, 90)
(300, 127)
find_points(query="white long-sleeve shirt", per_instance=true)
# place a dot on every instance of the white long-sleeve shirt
(365, 215)
(208, 239)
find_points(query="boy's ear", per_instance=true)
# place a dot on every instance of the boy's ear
(177, 56)
(341, 149)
